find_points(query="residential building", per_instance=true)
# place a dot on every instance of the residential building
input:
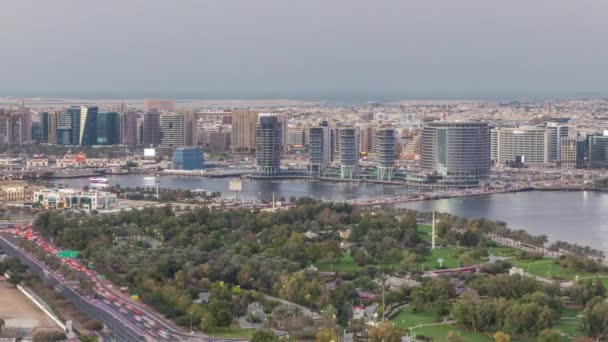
(244, 123)
(172, 126)
(152, 134)
(319, 148)
(568, 151)
(268, 145)
(384, 152)
(50, 122)
(348, 151)
(525, 145)
(128, 129)
(456, 152)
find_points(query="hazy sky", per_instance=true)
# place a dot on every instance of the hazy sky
(303, 46)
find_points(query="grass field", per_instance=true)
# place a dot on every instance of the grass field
(569, 323)
(346, 264)
(549, 269)
(231, 332)
(439, 332)
(407, 318)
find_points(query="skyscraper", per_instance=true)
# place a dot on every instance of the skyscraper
(568, 153)
(88, 126)
(457, 152)
(268, 145)
(50, 122)
(366, 138)
(384, 152)
(152, 134)
(598, 150)
(188, 158)
(319, 149)
(348, 150)
(557, 131)
(108, 130)
(16, 126)
(128, 128)
(244, 124)
(172, 126)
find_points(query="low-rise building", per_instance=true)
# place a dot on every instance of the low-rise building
(15, 191)
(75, 199)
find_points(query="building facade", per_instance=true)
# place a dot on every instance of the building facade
(15, 191)
(526, 145)
(268, 145)
(152, 134)
(188, 158)
(172, 126)
(348, 151)
(384, 152)
(319, 149)
(456, 152)
(568, 149)
(88, 126)
(108, 128)
(128, 128)
(244, 123)
(75, 199)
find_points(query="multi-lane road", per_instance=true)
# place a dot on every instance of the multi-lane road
(125, 319)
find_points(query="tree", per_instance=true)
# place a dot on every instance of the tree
(502, 337)
(49, 336)
(93, 325)
(2, 324)
(595, 318)
(548, 335)
(385, 332)
(263, 336)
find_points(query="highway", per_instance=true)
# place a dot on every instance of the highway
(126, 320)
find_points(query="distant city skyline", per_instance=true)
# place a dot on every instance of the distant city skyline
(339, 50)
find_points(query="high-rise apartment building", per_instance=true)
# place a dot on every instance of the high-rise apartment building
(598, 150)
(384, 152)
(456, 152)
(526, 145)
(557, 132)
(568, 151)
(50, 122)
(268, 145)
(108, 128)
(366, 138)
(172, 126)
(348, 151)
(16, 126)
(244, 123)
(128, 129)
(319, 148)
(152, 134)
(158, 105)
(88, 126)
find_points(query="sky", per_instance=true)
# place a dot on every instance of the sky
(274, 48)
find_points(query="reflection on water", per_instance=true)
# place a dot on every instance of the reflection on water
(255, 189)
(579, 217)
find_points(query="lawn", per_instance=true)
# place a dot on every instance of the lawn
(549, 269)
(439, 332)
(346, 264)
(407, 318)
(504, 251)
(569, 323)
(231, 332)
(449, 256)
